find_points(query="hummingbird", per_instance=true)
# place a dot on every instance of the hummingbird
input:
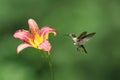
(81, 39)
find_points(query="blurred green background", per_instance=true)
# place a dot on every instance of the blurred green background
(66, 16)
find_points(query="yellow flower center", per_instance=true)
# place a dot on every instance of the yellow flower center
(36, 41)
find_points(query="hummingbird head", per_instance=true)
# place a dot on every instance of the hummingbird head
(74, 38)
(72, 35)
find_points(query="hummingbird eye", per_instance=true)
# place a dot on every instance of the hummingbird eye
(73, 35)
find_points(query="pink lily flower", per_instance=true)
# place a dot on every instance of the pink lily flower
(35, 38)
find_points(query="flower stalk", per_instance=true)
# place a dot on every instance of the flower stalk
(47, 55)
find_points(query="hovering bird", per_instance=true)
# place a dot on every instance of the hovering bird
(81, 39)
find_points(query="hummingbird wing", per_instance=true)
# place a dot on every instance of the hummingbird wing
(86, 38)
(81, 35)
(89, 35)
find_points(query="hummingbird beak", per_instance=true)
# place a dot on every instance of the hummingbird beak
(66, 35)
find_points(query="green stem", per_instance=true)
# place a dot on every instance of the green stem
(50, 65)
(51, 68)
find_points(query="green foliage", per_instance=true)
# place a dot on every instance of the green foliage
(76, 16)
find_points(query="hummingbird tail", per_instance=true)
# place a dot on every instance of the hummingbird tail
(84, 48)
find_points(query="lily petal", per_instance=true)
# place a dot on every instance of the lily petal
(46, 30)
(33, 26)
(46, 46)
(22, 46)
(23, 35)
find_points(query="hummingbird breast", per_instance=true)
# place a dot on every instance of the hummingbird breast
(76, 41)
